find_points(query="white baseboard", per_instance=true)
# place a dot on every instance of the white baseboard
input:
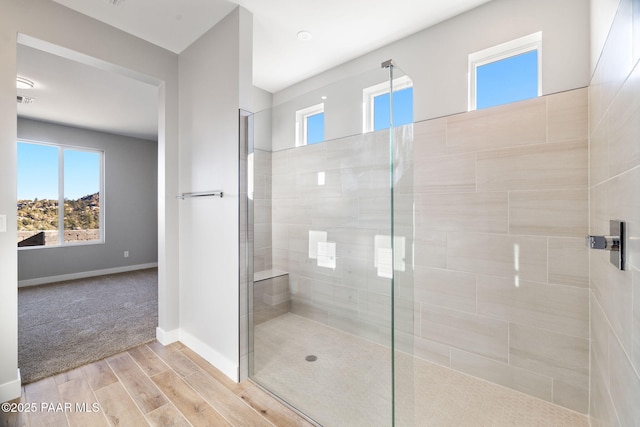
(11, 390)
(84, 274)
(229, 368)
(166, 337)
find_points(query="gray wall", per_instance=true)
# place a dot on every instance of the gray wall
(130, 203)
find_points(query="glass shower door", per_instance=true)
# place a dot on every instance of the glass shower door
(330, 306)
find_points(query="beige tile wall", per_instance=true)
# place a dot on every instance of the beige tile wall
(501, 266)
(501, 271)
(615, 194)
(263, 231)
(352, 206)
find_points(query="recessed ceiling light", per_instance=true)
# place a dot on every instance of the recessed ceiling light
(22, 83)
(304, 36)
(323, 97)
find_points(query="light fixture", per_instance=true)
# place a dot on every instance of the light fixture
(323, 97)
(304, 36)
(25, 99)
(114, 2)
(22, 83)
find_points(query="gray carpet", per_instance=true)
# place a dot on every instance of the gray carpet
(65, 325)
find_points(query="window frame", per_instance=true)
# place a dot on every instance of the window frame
(529, 43)
(61, 149)
(371, 92)
(301, 122)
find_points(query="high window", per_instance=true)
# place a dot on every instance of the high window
(310, 125)
(505, 73)
(376, 102)
(60, 195)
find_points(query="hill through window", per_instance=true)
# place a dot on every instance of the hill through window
(59, 195)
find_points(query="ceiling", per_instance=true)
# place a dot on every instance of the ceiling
(341, 30)
(72, 93)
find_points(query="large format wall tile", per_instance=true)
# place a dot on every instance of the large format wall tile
(502, 373)
(568, 261)
(369, 150)
(625, 386)
(571, 396)
(549, 213)
(600, 333)
(431, 351)
(561, 165)
(445, 174)
(601, 410)
(599, 153)
(636, 319)
(529, 348)
(498, 202)
(613, 290)
(334, 211)
(624, 126)
(616, 60)
(430, 248)
(567, 115)
(521, 123)
(291, 211)
(429, 139)
(563, 309)
(284, 186)
(319, 184)
(445, 288)
(479, 334)
(480, 212)
(514, 257)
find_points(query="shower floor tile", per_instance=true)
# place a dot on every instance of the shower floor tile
(350, 383)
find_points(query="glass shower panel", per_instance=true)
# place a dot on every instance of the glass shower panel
(402, 229)
(325, 258)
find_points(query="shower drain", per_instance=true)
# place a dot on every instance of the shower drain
(311, 358)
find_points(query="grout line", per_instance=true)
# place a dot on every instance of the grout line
(66, 415)
(206, 374)
(122, 384)
(93, 392)
(169, 400)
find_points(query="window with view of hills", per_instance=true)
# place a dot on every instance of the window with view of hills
(59, 195)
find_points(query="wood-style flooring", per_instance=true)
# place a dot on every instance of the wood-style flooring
(147, 385)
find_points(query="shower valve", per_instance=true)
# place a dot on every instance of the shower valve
(609, 243)
(615, 243)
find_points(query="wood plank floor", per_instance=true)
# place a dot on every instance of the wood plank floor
(148, 385)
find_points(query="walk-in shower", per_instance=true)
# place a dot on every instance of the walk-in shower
(331, 301)
(427, 274)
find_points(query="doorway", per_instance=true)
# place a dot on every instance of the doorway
(76, 105)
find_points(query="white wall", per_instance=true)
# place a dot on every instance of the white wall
(436, 58)
(602, 14)
(103, 45)
(215, 81)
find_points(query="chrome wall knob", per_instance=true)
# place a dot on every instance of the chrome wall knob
(614, 243)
